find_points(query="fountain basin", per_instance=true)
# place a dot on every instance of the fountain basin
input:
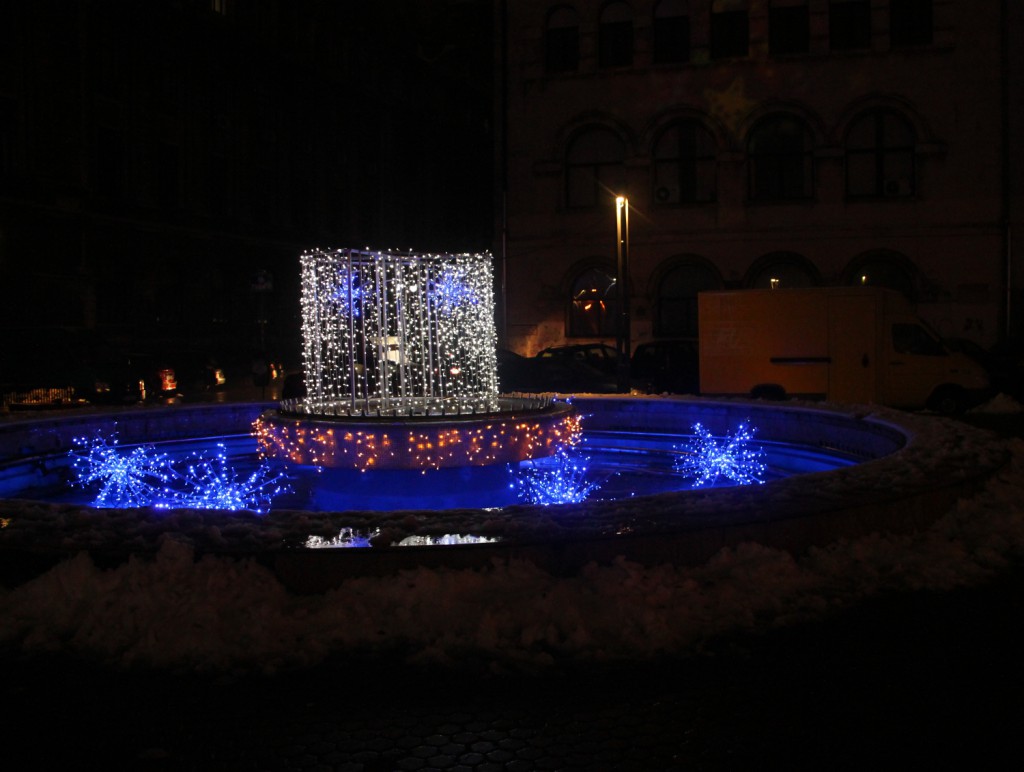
(911, 469)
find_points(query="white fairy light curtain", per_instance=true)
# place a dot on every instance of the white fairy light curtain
(389, 333)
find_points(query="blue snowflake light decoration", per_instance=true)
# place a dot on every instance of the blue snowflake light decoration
(451, 290)
(707, 459)
(143, 477)
(349, 294)
(130, 479)
(560, 479)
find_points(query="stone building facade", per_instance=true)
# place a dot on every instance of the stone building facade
(760, 143)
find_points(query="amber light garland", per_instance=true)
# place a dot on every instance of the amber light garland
(417, 446)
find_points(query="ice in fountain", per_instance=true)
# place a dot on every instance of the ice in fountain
(400, 361)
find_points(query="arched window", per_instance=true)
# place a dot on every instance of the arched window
(562, 40)
(594, 169)
(782, 270)
(880, 156)
(883, 268)
(781, 165)
(671, 32)
(593, 305)
(676, 312)
(615, 35)
(684, 164)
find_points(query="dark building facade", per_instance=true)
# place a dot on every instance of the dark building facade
(163, 163)
(760, 143)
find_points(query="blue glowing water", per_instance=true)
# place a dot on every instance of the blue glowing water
(616, 465)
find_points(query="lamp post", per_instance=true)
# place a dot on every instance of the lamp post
(622, 325)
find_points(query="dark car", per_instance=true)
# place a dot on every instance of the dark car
(599, 356)
(551, 373)
(670, 365)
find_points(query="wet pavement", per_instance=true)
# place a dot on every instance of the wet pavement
(924, 680)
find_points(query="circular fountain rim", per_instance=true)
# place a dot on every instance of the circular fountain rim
(934, 461)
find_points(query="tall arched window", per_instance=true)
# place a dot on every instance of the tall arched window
(593, 304)
(594, 169)
(615, 35)
(671, 32)
(677, 298)
(884, 268)
(880, 156)
(684, 164)
(782, 270)
(781, 165)
(562, 40)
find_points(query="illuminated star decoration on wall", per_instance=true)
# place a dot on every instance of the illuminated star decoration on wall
(144, 477)
(129, 479)
(707, 459)
(559, 479)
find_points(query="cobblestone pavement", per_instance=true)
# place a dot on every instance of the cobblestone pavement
(915, 681)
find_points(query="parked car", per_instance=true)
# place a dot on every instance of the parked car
(600, 356)
(552, 373)
(669, 365)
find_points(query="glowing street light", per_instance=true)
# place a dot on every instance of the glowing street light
(622, 326)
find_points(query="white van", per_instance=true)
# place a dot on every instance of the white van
(844, 344)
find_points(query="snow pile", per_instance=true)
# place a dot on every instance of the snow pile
(223, 613)
(1001, 404)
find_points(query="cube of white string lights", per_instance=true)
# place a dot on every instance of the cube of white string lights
(394, 334)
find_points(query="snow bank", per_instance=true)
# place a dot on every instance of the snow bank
(223, 613)
(1001, 404)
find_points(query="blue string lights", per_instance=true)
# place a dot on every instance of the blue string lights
(131, 479)
(209, 483)
(707, 459)
(560, 479)
(145, 477)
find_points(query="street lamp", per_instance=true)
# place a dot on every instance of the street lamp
(622, 331)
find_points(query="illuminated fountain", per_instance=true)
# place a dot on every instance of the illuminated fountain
(399, 354)
(403, 439)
